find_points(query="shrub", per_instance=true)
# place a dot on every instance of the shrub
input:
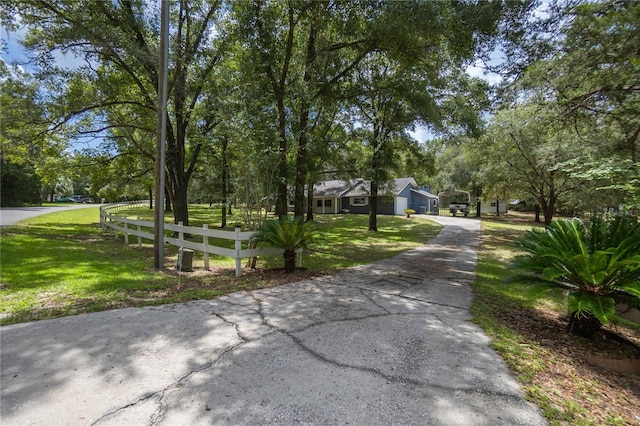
(409, 212)
(598, 264)
(288, 234)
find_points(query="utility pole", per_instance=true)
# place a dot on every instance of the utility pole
(158, 242)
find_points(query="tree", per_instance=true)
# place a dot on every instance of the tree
(528, 148)
(597, 78)
(458, 166)
(589, 71)
(381, 106)
(20, 184)
(118, 85)
(303, 49)
(422, 81)
(32, 155)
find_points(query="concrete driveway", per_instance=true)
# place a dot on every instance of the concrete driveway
(390, 342)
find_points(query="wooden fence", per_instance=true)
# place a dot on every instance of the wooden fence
(144, 229)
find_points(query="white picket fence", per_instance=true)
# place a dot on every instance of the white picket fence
(144, 229)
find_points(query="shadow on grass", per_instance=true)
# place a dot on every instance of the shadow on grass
(530, 334)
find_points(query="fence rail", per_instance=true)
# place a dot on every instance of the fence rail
(144, 229)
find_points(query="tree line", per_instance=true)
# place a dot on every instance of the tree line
(267, 98)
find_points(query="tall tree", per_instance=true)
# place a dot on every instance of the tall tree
(118, 40)
(415, 77)
(26, 148)
(528, 148)
(587, 65)
(597, 78)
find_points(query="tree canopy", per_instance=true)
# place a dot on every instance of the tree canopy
(268, 98)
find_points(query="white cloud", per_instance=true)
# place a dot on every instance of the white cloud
(479, 70)
(421, 134)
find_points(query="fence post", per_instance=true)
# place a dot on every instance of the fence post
(299, 259)
(238, 247)
(180, 231)
(126, 233)
(205, 241)
(139, 229)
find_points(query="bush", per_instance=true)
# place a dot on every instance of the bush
(598, 264)
(20, 184)
(288, 234)
(409, 212)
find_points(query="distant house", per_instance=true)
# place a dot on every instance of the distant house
(338, 196)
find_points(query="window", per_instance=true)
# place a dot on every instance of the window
(359, 201)
(318, 203)
(493, 204)
(327, 203)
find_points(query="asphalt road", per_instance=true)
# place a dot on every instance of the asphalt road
(10, 216)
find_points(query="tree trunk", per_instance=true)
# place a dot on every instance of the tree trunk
(538, 213)
(376, 163)
(584, 325)
(223, 182)
(289, 256)
(301, 163)
(548, 209)
(180, 205)
(373, 206)
(281, 200)
(309, 201)
(167, 199)
(302, 168)
(278, 84)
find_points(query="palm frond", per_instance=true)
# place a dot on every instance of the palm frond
(596, 263)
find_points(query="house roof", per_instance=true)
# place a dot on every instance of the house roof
(334, 188)
(424, 193)
(357, 187)
(401, 183)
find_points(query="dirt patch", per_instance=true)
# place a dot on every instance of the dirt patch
(626, 367)
(601, 375)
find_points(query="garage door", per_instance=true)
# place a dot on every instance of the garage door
(401, 204)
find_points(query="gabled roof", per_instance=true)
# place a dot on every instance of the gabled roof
(401, 183)
(334, 188)
(424, 193)
(358, 187)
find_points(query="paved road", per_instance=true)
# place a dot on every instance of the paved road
(390, 342)
(9, 216)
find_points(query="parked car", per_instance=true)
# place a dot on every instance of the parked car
(88, 200)
(72, 199)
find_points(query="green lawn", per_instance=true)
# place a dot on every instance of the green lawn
(63, 263)
(530, 335)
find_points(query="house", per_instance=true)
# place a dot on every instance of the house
(338, 196)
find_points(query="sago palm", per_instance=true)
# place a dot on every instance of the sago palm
(288, 234)
(598, 264)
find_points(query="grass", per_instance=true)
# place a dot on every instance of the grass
(345, 239)
(60, 264)
(529, 334)
(63, 264)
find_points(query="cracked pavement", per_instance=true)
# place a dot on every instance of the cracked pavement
(389, 342)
